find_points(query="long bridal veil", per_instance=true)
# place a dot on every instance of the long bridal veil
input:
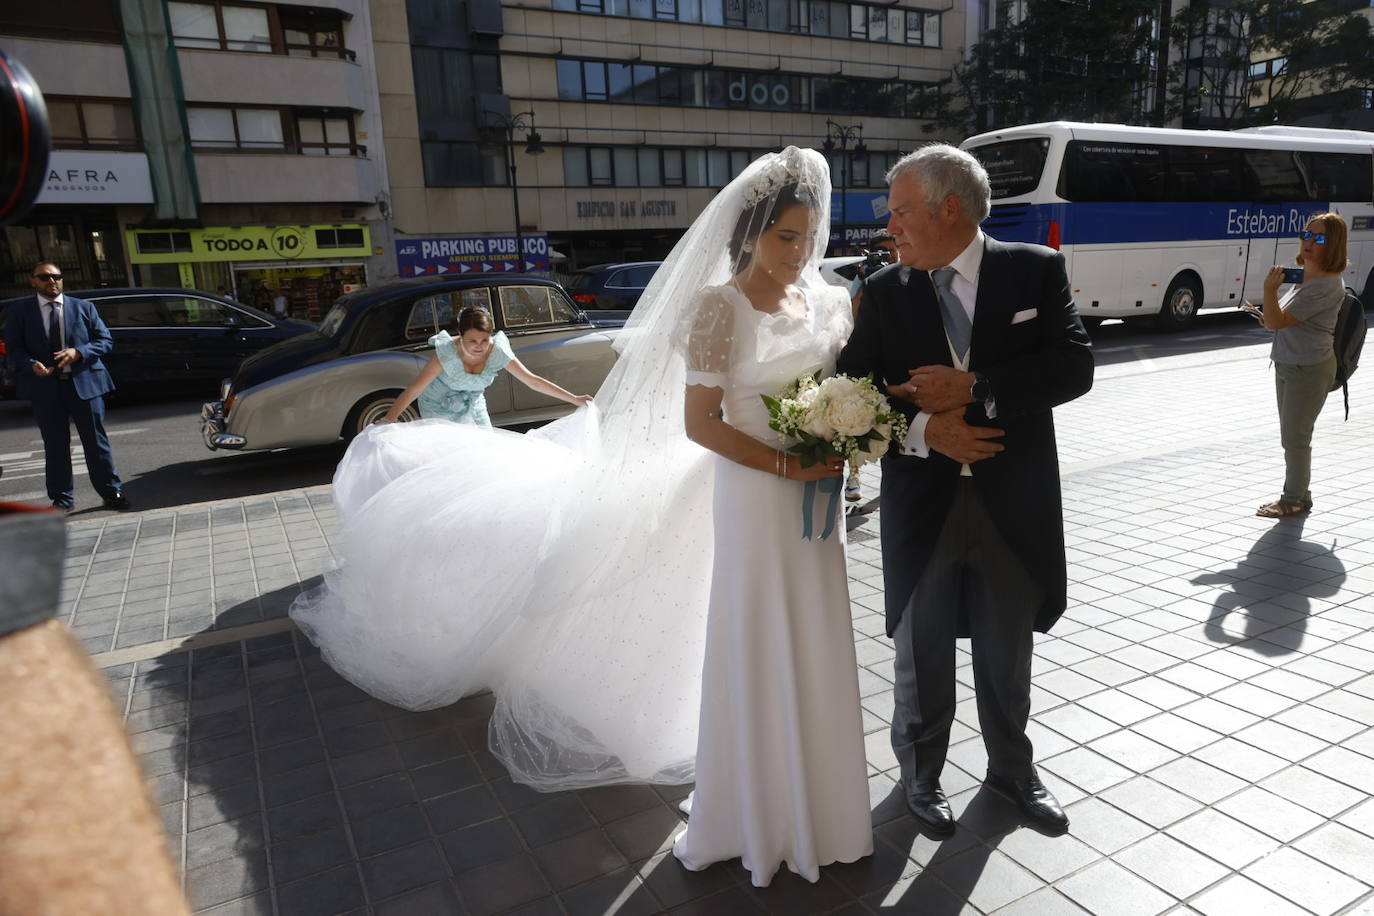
(568, 570)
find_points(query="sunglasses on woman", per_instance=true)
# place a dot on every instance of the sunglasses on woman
(1318, 238)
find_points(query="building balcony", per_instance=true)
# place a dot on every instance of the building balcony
(286, 178)
(71, 68)
(246, 78)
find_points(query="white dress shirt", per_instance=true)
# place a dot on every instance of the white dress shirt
(965, 285)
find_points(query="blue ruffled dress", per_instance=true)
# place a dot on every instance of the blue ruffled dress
(457, 394)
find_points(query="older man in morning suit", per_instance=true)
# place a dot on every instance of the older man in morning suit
(55, 343)
(979, 340)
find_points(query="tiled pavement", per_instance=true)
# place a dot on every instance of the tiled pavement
(1203, 709)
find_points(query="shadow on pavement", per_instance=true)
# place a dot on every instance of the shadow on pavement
(909, 873)
(1275, 617)
(288, 790)
(1123, 342)
(234, 475)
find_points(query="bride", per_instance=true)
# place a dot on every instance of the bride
(631, 582)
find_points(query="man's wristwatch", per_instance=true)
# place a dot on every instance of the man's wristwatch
(981, 390)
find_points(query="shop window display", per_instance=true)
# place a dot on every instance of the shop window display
(309, 290)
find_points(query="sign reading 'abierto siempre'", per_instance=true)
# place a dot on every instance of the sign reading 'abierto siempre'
(469, 254)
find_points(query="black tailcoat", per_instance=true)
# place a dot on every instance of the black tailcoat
(1030, 343)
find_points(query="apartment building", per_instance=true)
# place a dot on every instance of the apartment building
(621, 118)
(207, 144)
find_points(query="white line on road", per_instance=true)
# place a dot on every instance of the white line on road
(77, 472)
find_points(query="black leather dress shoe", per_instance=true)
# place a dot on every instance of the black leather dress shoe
(118, 501)
(927, 801)
(1034, 800)
(63, 505)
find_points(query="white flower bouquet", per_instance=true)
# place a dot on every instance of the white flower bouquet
(839, 416)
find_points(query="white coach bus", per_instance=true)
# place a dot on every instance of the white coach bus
(1160, 222)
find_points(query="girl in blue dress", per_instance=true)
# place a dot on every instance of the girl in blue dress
(451, 384)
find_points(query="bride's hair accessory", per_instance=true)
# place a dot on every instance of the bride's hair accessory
(789, 167)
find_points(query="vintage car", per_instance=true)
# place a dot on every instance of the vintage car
(170, 338)
(332, 383)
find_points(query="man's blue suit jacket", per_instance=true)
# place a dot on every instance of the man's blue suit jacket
(27, 338)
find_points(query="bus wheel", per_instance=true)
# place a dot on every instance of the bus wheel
(1180, 303)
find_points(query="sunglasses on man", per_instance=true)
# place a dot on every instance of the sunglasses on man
(1318, 238)
(47, 276)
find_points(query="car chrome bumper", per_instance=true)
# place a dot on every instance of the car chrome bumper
(212, 428)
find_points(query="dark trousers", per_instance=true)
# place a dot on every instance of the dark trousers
(55, 419)
(973, 571)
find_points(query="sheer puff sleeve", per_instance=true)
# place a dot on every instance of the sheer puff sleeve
(710, 337)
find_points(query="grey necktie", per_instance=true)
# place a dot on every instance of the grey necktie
(958, 325)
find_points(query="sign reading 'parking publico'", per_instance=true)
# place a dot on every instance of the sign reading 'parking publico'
(470, 254)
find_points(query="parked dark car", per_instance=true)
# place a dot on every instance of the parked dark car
(607, 292)
(177, 335)
(335, 382)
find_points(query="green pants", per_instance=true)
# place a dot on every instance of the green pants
(1301, 393)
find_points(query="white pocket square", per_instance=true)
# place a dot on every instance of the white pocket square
(1023, 315)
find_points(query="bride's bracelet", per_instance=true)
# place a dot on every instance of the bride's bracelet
(780, 463)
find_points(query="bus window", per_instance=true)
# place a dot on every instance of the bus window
(1203, 174)
(1272, 176)
(1013, 167)
(1338, 176)
(1103, 171)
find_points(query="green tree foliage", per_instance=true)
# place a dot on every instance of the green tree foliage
(1308, 57)
(1055, 60)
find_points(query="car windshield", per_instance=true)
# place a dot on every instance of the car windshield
(334, 319)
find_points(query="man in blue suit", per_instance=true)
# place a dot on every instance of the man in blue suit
(55, 344)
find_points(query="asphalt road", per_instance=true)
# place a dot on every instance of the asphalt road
(159, 453)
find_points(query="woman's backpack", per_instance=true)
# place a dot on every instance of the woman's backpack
(1349, 341)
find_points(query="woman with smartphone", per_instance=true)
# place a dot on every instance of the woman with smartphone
(1304, 355)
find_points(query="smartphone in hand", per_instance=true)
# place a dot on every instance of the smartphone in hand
(1292, 275)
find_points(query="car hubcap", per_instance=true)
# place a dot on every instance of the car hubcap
(378, 409)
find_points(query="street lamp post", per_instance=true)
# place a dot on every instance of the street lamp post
(522, 120)
(844, 135)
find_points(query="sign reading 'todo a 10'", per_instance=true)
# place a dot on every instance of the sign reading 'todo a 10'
(248, 243)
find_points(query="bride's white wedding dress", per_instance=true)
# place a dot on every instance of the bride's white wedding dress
(570, 571)
(781, 775)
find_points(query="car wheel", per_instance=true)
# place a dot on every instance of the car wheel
(1181, 303)
(371, 409)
